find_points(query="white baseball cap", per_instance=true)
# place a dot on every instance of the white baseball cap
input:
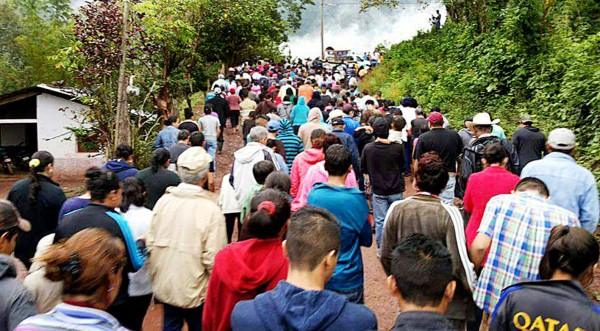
(561, 139)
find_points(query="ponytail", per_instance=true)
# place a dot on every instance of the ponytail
(159, 159)
(39, 161)
(270, 212)
(571, 250)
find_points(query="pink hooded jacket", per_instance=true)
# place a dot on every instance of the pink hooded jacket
(301, 164)
(317, 174)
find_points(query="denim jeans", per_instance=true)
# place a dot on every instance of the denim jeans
(356, 295)
(211, 148)
(174, 317)
(381, 204)
(447, 194)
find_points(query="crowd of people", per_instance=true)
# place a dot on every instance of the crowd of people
(498, 236)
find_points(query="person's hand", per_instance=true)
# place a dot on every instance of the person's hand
(458, 203)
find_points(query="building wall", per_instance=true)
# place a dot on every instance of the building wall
(53, 136)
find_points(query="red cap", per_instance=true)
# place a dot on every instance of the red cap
(435, 118)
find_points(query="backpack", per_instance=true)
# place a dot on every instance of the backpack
(471, 160)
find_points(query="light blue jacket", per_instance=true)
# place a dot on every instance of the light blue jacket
(299, 114)
(571, 186)
(167, 137)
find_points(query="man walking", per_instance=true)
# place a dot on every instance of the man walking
(182, 243)
(383, 161)
(447, 144)
(514, 229)
(351, 209)
(571, 186)
(338, 126)
(211, 128)
(529, 142)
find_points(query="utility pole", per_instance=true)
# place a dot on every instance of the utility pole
(322, 33)
(123, 129)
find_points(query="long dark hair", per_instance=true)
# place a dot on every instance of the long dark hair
(101, 182)
(159, 159)
(39, 161)
(572, 250)
(133, 193)
(270, 210)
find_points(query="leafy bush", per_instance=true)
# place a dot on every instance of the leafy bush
(544, 61)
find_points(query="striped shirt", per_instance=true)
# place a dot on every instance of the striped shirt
(519, 226)
(292, 144)
(69, 317)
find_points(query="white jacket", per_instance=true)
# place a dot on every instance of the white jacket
(244, 160)
(227, 200)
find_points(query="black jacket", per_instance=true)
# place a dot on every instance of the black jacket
(552, 302)
(221, 107)
(422, 321)
(43, 215)
(530, 144)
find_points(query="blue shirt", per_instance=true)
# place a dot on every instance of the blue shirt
(351, 125)
(571, 186)
(350, 207)
(167, 137)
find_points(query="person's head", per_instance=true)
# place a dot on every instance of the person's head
(41, 163)
(435, 119)
(436, 109)
(188, 114)
(532, 184)
(269, 215)
(104, 187)
(258, 134)
(329, 140)
(124, 152)
(11, 224)
(398, 123)
(89, 264)
(161, 158)
(561, 140)
(172, 120)
(193, 165)
(279, 180)
(134, 193)
(183, 136)
(316, 138)
(261, 171)
(421, 274)
(262, 120)
(208, 109)
(338, 161)
(197, 139)
(494, 155)
(571, 253)
(381, 128)
(525, 120)
(431, 174)
(378, 94)
(273, 127)
(313, 242)
(338, 123)
(482, 124)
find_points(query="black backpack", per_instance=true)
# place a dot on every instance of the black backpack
(471, 160)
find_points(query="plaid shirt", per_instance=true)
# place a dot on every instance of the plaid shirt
(519, 225)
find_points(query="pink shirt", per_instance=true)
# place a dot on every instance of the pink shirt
(316, 174)
(234, 102)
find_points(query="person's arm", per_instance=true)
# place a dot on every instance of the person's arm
(158, 143)
(389, 239)
(588, 214)
(366, 234)
(478, 249)
(295, 178)
(135, 256)
(468, 198)
(215, 238)
(364, 166)
(21, 308)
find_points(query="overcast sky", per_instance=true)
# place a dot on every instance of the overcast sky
(346, 28)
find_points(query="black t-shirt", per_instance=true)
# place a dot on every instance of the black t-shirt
(530, 143)
(446, 143)
(419, 126)
(384, 163)
(191, 126)
(156, 183)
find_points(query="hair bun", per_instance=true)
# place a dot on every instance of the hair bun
(93, 173)
(34, 163)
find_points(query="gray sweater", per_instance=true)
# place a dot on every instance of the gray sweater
(16, 303)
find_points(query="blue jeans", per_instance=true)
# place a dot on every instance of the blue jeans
(447, 194)
(381, 204)
(174, 317)
(211, 149)
(356, 295)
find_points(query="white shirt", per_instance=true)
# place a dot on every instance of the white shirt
(139, 219)
(209, 125)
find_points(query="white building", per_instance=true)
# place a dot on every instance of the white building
(38, 118)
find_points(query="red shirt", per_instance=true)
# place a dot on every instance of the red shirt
(242, 271)
(481, 187)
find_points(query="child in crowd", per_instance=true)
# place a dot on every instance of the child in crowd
(230, 207)
(260, 171)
